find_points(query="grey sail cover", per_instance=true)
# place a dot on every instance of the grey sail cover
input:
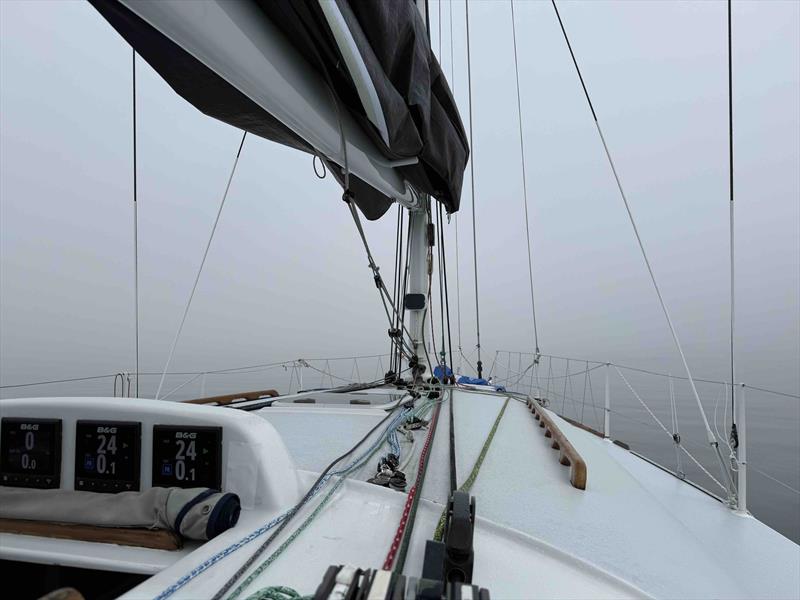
(420, 115)
(195, 513)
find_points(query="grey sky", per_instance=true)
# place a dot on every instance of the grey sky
(286, 275)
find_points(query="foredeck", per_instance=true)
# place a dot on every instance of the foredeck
(634, 531)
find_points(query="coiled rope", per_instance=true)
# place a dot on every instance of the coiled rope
(278, 592)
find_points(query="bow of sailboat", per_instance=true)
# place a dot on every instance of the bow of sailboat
(420, 483)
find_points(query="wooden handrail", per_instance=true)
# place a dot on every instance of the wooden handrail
(230, 398)
(567, 455)
(158, 539)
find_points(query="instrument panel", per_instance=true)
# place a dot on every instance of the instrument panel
(112, 445)
(187, 456)
(30, 453)
(108, 455)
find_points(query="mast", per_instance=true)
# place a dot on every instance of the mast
(416, 299)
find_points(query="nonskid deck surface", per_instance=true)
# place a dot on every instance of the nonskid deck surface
(635, 531)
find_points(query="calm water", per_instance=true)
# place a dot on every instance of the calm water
(773, 421)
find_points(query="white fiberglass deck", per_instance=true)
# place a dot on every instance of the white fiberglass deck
(635, 531)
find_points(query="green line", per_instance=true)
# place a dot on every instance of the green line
(467, 485)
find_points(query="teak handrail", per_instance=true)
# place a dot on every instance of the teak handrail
(157, 539)
(567, 455)
(229, 398)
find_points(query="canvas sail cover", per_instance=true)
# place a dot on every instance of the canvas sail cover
(377, 66)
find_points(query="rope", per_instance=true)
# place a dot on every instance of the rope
(283, 520)
(473, 475)
(397, 552)
(524, 179)
(200, 269)
(472, 192)
(211, 561)
(310, 519)
(277, 592)
(712, 440)
(135, 226)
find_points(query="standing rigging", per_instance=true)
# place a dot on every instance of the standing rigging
(135, 229)
(712, 440)
(524, 184)
(472, 191)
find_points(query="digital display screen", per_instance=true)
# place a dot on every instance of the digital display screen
(187, 456)
(107, 456)
(30, 452)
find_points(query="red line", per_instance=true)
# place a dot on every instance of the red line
(398, 536)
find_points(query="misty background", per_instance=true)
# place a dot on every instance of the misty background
(286, 276)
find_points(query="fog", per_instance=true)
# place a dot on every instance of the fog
(286, 275)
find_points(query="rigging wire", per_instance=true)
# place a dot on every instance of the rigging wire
(446, 294)
(458, 279)
(712, 440)
(524, 178)
(439, 251)
(379, 283)
(472, 191)
(734, 435)
(406, 272)
(202, 263)
(396, 288)
(440, 30)
(135, 227)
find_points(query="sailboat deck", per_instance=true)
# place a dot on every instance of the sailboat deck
(635, 531)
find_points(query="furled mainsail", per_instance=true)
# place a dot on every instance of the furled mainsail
(377, 82)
